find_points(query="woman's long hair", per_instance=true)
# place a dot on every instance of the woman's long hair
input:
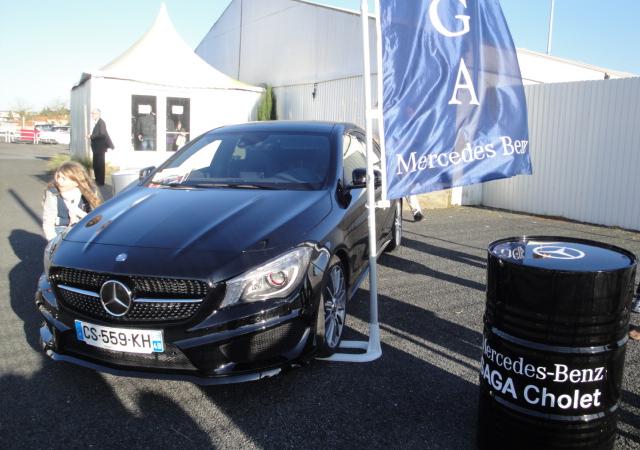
(76, 172)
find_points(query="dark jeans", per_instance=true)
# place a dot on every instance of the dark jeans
(98, 166)
(148, 144)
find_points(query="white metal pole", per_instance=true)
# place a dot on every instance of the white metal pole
(380, 107)
(372, 347)
(371, 190)
(553, 2)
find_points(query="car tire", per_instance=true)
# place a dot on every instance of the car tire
(396, 229)
(332, 309)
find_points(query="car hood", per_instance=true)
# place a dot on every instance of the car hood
(206, 220)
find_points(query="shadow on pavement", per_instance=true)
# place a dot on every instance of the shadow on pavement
(405, 265)
(400, 400)
(453, 255)
(35, 217)
(23, 279)
(61, 406)
(628, 423)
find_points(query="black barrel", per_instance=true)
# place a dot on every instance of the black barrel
(555, 329)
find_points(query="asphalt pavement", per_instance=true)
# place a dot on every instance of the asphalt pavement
(422, 393)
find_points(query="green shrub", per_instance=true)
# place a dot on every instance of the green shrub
(267, 105)
(56, 160)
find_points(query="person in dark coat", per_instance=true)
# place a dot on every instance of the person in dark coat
(100, 143)
(634, 332)
(146, 131)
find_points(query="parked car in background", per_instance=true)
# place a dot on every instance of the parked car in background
(233, 260)
(55, 134)
(30, 135)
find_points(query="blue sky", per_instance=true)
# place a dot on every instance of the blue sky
(45, 45)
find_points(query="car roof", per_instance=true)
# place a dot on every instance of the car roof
(286, 126)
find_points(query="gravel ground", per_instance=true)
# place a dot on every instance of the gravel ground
(422, 392)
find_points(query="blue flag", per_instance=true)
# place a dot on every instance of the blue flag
(454, 107)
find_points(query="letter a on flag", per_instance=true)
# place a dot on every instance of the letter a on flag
(454, 109)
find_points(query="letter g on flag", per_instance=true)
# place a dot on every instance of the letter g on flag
(439, 26)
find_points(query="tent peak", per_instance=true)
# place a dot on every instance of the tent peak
(161, 56)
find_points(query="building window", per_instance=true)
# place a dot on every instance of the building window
(178, 122)
(143, 122)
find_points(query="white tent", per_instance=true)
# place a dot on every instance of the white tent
(160, 74)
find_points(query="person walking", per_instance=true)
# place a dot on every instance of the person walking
(68, 198)
(634, 333)
(100, 143)
(414, 204)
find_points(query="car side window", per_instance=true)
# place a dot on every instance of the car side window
(354, 156)
(376, 152)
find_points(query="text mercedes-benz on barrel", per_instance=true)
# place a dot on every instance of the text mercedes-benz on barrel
(233, 260)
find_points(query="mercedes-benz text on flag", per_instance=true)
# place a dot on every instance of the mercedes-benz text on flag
(454, 106)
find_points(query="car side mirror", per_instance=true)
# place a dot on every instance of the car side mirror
(359, 178)
(144, 173)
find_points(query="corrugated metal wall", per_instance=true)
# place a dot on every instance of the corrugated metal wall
(585, 152)
(337, 100)
(80, 117)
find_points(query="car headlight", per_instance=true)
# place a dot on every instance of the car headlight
(275, 279)
(48, 252)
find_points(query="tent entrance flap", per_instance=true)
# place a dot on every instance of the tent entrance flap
(372, 349)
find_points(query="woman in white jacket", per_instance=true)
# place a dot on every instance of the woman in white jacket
(68, 198)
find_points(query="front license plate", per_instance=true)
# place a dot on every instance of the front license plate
(120, 339)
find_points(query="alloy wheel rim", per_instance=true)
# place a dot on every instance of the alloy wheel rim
(335, 300)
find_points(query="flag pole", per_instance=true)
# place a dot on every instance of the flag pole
(372, 347)
(549, 35)
(384, 201)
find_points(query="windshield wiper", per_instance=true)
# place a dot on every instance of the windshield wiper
(232, 185)
(172, 184)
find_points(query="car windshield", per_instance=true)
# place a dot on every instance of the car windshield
(249, 160)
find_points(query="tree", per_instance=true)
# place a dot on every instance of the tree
(57, 108)
(23, 108)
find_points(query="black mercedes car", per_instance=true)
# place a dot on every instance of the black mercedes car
(231, 261)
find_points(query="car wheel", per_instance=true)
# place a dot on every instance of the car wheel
(396, 229)
(332, 310)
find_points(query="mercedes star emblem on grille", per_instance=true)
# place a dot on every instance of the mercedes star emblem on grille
(121, 257)
(115, 298)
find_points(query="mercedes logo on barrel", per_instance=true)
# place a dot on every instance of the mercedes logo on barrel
(115, 298)
(558, 252)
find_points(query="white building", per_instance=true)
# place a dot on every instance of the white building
(312, 55)
(542, 68)
(159, 77)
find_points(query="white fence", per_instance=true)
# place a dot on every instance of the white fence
(7, 136)
(585, 152)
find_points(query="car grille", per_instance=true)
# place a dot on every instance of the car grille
(158, 293)
(143, 286)
(264, 345)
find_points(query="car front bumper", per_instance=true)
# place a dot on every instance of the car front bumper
(240, 350)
